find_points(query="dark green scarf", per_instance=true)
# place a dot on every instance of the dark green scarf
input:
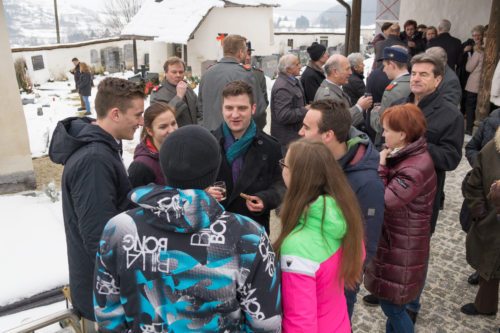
(238, 148)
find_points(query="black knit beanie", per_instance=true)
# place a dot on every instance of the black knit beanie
(190, 158)
(316, 51)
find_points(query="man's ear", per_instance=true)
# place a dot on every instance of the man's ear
(254, 108)
(113, 114)
(328, 136)
(439, 79)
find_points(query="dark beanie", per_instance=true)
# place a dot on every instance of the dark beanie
(316, 51)
(190, 158)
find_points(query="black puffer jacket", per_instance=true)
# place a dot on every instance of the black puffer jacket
(94, 189)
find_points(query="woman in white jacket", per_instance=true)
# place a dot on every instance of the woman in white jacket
(474, 67)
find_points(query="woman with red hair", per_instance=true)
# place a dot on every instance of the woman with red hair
(397, 273)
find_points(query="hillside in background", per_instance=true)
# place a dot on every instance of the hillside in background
(321, 13)
(31, 22)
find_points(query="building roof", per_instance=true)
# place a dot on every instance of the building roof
(174, 21)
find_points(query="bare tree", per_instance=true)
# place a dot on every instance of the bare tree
(119, 13)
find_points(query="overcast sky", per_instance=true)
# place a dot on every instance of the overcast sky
(100, 3)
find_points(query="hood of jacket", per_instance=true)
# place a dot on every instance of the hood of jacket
(324, 207)
(73, 133)
(142, 150)
(350, 162)
(176, 210)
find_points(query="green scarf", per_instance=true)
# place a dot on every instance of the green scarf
(239, 147)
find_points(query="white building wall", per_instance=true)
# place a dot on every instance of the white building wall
(281, 41)
(57, 62)
(254, 23)
(463, 14)
(158, 54)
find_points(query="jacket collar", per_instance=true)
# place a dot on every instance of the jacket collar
(426, 101)
(312, 65)
(229, 60)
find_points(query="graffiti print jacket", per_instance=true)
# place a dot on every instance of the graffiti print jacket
(180, 263)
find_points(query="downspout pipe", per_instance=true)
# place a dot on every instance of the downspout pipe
(347, 25)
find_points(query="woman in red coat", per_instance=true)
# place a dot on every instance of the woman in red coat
(397, 272)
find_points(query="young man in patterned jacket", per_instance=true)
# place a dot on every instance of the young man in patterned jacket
(179, 262)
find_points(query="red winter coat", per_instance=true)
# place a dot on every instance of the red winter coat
(397, 272)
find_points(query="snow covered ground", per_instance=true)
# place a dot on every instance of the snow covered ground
(32, 241)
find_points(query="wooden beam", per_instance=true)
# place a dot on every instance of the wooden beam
(491, 56)
(355, 27)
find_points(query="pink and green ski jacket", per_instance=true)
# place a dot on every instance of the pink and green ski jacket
(313, 296)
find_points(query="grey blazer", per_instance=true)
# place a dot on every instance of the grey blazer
(329, 90)
(186, 109)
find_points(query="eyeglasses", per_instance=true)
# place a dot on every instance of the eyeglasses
(282, 163)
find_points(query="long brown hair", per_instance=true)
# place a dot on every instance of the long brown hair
(150, 114)
(84, 68)
(315, 172)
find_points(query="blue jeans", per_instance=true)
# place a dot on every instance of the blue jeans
(350, 297)
(414, 305)
(398, 320)
(87, 103)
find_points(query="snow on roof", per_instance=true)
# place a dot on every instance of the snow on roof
(174, 21)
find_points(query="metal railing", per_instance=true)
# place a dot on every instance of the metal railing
(68, 316)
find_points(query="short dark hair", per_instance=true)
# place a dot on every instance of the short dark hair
(407, 118)
(385, 26)
(421, 26)
(75, 59)
(114, 92)
(173, 61)
(421, 58)
(236, 88)
(335, 116)
(232, 44)
(410, 22)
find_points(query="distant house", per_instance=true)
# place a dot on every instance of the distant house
(191, 29)
(286, 39)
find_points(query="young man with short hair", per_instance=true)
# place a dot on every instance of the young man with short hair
(250, 163)
(180, 262)
(177, 93)
(329, 122)
(396, 68)
(94, 181)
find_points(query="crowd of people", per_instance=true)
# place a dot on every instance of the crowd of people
(356, 173)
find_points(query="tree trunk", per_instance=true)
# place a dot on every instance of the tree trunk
(355, 27)
(489, 63)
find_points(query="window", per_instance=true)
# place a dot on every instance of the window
(290, 43)
(323, 40)
(37, 62)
